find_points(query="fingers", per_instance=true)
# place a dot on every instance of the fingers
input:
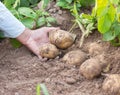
(31, 44)
(48, 29)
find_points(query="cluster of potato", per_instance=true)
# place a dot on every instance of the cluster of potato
(89, 68)
(59, 39)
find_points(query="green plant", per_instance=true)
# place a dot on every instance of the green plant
(107, 15)
(41, 88)
(108, 20)
(84, 22)
(32, 18)
(81, 20)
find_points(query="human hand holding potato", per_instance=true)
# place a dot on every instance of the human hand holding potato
(33, 39)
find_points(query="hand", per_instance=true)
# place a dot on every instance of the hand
(34, 38)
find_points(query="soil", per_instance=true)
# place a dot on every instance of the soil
(21, 70)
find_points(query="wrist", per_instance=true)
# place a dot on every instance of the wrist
(23, 38)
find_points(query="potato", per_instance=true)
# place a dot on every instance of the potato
(111, 84)
(62, 39)
(76, 57)
(95, 49)
(91, 68)
(49, 50)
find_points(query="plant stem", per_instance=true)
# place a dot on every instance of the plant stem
(81, 26)
(83, 33)
(38, 90)
(72, 27)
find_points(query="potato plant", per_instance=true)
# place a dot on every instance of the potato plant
(86, 26)
(107, 19)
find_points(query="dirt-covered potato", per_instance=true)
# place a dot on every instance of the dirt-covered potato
(91, 68)
(76, 57)
(111, 84)
(62, 39)
(49, 50)
(95, 49)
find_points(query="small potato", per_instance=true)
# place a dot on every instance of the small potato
(62, 39)
(76, 57)
(111, 84)
(91, 68)
(49, 51)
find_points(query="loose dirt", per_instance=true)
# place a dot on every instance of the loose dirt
(21, 71)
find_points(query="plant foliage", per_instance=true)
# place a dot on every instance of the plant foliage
(24, 10)
(107, 14)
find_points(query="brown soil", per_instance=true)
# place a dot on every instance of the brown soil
(21, 71)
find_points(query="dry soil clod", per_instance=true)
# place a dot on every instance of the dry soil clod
(75, 57)
(49, 50)
(111, 84)
(62, 39)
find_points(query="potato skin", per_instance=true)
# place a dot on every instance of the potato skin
(95, 49)
(91, 68)
(49, 50)
(62, 39)
(75, 57)
(111, 84)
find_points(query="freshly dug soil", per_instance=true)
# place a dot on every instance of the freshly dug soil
(21, 71)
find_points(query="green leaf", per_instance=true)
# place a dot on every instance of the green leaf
(90, 26)
(38, 90)
(105, 18)
(118, 13)
(33, 1)
(15, 43)
(15, 13)
(45, 3)
(112, 12)
(44, 89)
(104, 23)
(41, 21)
(114, 2)
(69, 1)
(86, 16)
(28, 22)
(108, 36)
(9, 3)
(116, 27)
(113, 33)
(102, 11)
(101, 3)
(24, 3)
(86, 3)
(28, 12)
(51, 19)
(63, 4)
